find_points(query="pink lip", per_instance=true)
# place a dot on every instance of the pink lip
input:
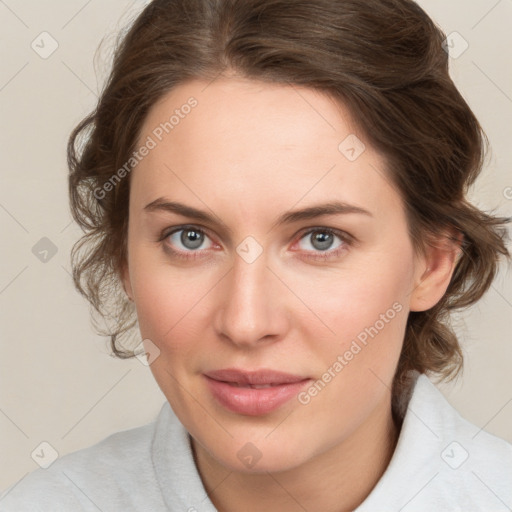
(252, 401)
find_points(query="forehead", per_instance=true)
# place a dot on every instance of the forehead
(240, 110)
(257, 144)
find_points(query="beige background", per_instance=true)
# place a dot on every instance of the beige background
(57, 383)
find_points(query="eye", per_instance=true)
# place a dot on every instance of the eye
(187, 239)
(322, 242)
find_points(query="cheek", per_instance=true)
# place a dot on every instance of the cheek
(157, 304)
(170, 301)
(360, 293)
(365, 307)
(168, 308)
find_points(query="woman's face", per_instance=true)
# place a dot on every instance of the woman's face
(250, 285)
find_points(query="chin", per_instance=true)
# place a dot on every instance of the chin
(259, 456)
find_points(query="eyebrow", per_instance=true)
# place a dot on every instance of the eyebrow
(311, 212)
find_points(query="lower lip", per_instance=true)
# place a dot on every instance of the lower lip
(252, 401)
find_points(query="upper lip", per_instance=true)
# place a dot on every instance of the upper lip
(264, 376)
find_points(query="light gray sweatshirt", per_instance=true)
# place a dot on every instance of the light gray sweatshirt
(441, 463)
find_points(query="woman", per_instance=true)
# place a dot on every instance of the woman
(273, 193)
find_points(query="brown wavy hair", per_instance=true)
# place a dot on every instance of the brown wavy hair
(383, 59)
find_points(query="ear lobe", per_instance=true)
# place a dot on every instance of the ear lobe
(436, 267)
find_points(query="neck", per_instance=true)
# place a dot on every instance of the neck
(337, 480)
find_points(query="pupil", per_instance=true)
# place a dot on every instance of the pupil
(191, 239)
(322, 240)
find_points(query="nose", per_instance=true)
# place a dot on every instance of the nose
(251, 308)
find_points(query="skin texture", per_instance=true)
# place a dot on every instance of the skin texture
(247, 153)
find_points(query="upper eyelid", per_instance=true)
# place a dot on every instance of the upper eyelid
(175, 229)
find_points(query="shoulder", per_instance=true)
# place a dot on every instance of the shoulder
(442, 461)
(468, 467)
(476, 466)
(110, 475)
(467, 440)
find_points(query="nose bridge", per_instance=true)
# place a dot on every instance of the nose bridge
(249, 310)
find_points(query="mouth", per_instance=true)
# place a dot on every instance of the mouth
(252, 386)
(253, 393)
(262, 378)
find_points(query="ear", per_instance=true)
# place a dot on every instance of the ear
(434, 270)
(126, 281)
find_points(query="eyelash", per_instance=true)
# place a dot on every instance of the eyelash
(347, 240)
